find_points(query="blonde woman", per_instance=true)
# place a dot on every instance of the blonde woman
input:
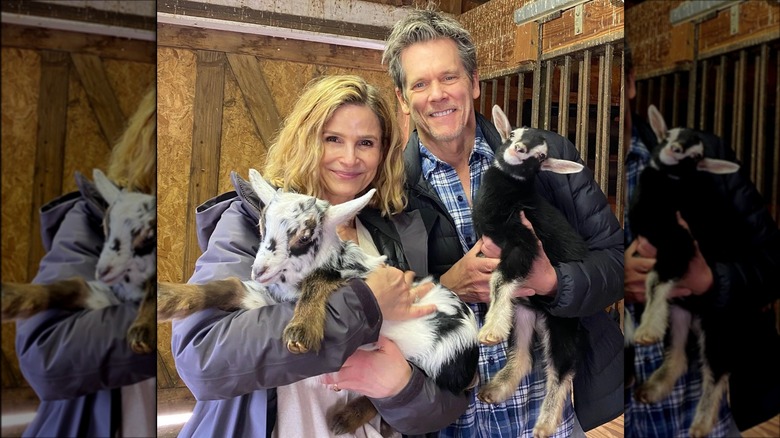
(79, 363)
(338, 142)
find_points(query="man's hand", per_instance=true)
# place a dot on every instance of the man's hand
(359, 373)
(542, 280)
(697, 280)
(395, 295)
(470, 276)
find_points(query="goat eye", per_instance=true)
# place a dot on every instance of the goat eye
(676, 149)
(304, 239)
(542, 156)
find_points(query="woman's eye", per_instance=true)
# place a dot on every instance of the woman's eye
(331, 139)
(368, 143)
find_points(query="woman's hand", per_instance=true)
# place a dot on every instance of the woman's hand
(359, 373)
(395, 295)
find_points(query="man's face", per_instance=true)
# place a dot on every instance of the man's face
(438, 92)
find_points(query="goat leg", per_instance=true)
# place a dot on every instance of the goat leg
(23, 300)
(175, 300)
(661, 382)
(712, 392)
(348, 418)
(142, 334)
(306, 329)
(498, 320)
(652, 326)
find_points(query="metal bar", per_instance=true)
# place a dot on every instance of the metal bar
(692, 78)
(675, 99)
(720, 95)
(520, 98)
(704, 89)
(563, 99)
(604, 115)
(739, 102)
(537, 85)
(651, 95)
(639, 100)
(494, 95)
(507, 89)
(550, 68)
(621, 180)
(582, 117)
(759, 104)
(598, 169)
(694, 10)
(663, 90)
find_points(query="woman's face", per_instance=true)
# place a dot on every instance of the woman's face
(352, 142)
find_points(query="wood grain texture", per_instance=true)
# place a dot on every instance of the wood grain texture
(269, 47)
(100, 94)
(52, 122)
(602, 22)
(759, 21)
(38, 38)
(257, 95)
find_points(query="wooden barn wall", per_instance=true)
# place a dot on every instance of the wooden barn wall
(221, 97)
(702, 75)
(65, 96)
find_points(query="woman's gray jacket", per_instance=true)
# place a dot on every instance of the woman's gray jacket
(231, 361)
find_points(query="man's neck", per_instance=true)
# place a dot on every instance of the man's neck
(455, 152)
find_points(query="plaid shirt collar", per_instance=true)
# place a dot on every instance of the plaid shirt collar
(431, 163)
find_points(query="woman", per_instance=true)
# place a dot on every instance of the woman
(338, 142)
(79, 363)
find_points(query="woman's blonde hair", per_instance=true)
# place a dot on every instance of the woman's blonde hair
(133, 162)
(293, 161)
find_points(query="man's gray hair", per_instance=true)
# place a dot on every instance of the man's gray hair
(426, 25)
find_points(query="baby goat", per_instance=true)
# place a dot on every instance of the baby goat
(508, 189)
(125, 269)
(301, 258)
(678, 180)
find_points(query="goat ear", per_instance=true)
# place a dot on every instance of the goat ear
(657, 122)
(720, 167)
(561, 166)
(338, 214)
(501, 122)
(264, 190)
(107, 189)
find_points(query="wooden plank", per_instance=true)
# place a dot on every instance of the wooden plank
(206, 135)
(269, 48)
(257, 95)
(37, 38)
(87, 14)
(101, 96)
(50, 149)
(758, 22)
(602, 21)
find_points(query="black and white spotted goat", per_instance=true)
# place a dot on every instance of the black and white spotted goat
(508, 189)
(679, 180)
(301, 258)
(125, 272)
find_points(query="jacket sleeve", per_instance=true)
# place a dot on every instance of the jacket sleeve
(222, 355)
(756, 269)
(65, 354)
(590, 285)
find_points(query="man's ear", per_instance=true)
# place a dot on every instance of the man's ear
(400, 95)
(475, 85)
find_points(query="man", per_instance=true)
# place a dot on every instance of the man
(754, 392)
(432, 61)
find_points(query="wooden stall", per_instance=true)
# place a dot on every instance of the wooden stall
(67, 90)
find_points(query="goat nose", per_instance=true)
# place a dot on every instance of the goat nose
(103, 272)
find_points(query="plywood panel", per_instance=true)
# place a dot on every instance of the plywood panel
(21, 73)
(175, 97)
(602, 22)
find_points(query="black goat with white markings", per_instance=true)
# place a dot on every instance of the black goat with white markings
(679, 180)
(507, 189)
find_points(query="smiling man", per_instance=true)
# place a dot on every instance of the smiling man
(432, 61)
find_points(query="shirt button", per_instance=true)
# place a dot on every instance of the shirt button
(460, 198)
(491, 360)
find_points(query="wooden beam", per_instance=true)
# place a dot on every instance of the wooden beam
(50, 149)
(37, 38)
(94, 15)
(269, 47)
(257, 95)
(206, 138)
(101, 96)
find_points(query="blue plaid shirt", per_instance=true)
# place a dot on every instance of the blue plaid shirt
(671, 417)
(515, 417)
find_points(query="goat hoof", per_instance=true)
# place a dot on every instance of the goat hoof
(643, 337)
(493, 394)
(342, 422)
(543, 431)
(300, 339)
(648, 393)
(489, 338)
(699, 430)
(21, 300)
(141, 339)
